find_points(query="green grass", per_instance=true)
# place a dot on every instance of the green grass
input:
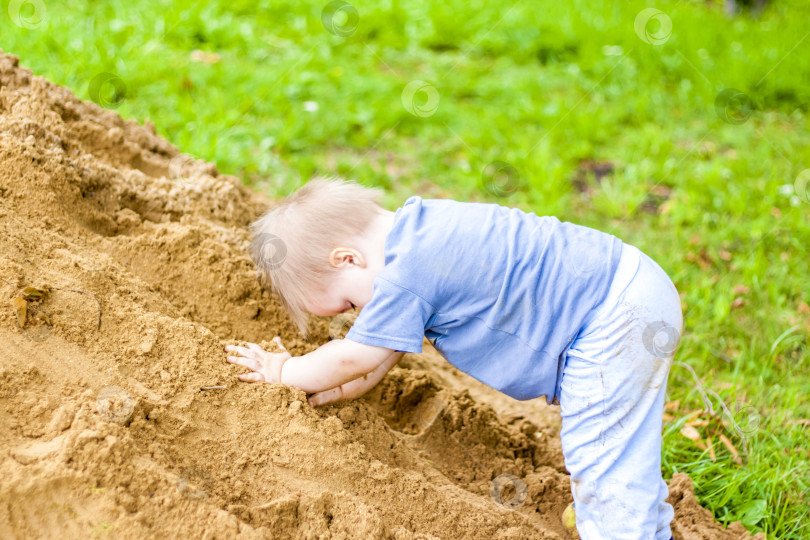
(543, 86)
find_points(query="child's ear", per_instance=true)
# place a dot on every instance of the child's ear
(343, 256)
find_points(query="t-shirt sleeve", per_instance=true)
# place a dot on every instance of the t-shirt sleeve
(395, 318)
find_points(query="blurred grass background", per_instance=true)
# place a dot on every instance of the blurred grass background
(583, 117)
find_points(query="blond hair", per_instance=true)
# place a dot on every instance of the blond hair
(292, 241)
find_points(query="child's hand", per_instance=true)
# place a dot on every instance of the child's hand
(266, 366)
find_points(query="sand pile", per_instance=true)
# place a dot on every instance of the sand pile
(123, 272)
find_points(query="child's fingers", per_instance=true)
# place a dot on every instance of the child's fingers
(255, 348)
(251, 377)
(244, 351)
(249, 363)
(277, 339)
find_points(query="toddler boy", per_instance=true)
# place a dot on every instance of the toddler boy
(528, 305)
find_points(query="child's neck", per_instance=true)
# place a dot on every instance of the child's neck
(375, 236)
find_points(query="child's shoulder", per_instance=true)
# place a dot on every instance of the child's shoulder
(417, 203)
(453, 215)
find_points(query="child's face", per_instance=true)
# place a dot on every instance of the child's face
(350, 286)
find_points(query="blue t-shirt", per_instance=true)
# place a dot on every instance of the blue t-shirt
(500, 293)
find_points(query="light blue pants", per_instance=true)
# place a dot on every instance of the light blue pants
(612, 401)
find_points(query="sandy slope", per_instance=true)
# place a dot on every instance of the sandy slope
(104, 428)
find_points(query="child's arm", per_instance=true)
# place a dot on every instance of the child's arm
(327, 367)
(358, 387)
